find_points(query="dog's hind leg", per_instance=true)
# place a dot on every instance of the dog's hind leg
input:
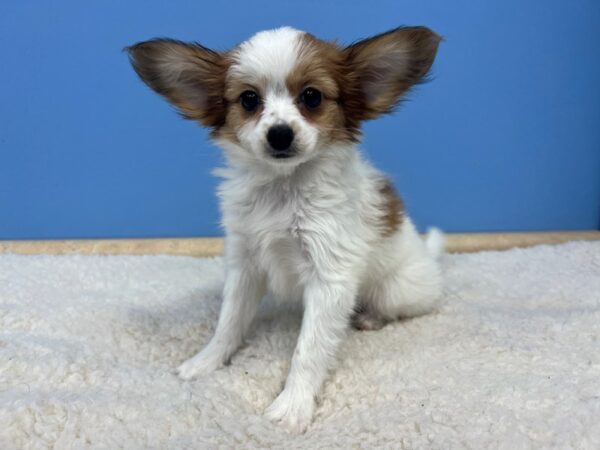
(410, 283)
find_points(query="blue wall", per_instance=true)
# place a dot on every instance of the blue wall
(507, 136)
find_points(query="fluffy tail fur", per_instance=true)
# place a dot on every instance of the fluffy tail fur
(435, 241)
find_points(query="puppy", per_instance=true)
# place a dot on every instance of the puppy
(305, 215)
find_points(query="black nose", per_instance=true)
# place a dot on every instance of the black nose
(280, 137)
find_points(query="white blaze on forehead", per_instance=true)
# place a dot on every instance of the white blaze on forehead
(269, 56)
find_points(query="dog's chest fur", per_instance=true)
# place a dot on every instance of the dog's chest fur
(294, 226)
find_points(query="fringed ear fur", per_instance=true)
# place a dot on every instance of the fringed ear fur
(384, 67)
(190, 76)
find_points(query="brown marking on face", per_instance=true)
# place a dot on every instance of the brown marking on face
(392, 209)
(321, 66)
(190, 76)
(357, 83)
(363, 80)
(236, 116)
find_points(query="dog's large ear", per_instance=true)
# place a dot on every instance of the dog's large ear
(382, 68)
(190, 76)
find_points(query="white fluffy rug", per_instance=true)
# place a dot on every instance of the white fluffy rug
(88, 345)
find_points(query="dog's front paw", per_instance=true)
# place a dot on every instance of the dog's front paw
(203, 363)
(292, 411)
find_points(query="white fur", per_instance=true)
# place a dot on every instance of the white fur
(264, 62)
(270, 55)
(308, 228)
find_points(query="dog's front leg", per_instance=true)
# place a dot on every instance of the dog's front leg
(244, 288)
(326, 316)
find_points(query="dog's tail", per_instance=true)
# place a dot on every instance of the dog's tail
(435, 241)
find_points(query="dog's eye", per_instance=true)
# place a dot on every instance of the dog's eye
(311, 97)
(250, 100)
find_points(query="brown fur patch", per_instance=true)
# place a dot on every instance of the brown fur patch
(392, 208)
(236, 115)
(190, 76)
(382, 68)
(363, 80)
(321, 66)
(358, 82)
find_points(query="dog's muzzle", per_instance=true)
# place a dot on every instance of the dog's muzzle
(280, 138)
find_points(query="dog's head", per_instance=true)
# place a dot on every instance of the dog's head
(284, 97)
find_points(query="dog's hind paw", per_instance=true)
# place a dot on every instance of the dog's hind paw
(364, 321)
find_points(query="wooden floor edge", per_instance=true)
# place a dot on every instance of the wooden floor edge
(456, 243)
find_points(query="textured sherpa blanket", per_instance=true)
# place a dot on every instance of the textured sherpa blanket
(88, 347)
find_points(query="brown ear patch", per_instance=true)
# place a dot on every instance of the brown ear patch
(363, 80)
(392, 209)
(190, 76)
(384, 67)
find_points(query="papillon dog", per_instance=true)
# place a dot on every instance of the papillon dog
(305, 215)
